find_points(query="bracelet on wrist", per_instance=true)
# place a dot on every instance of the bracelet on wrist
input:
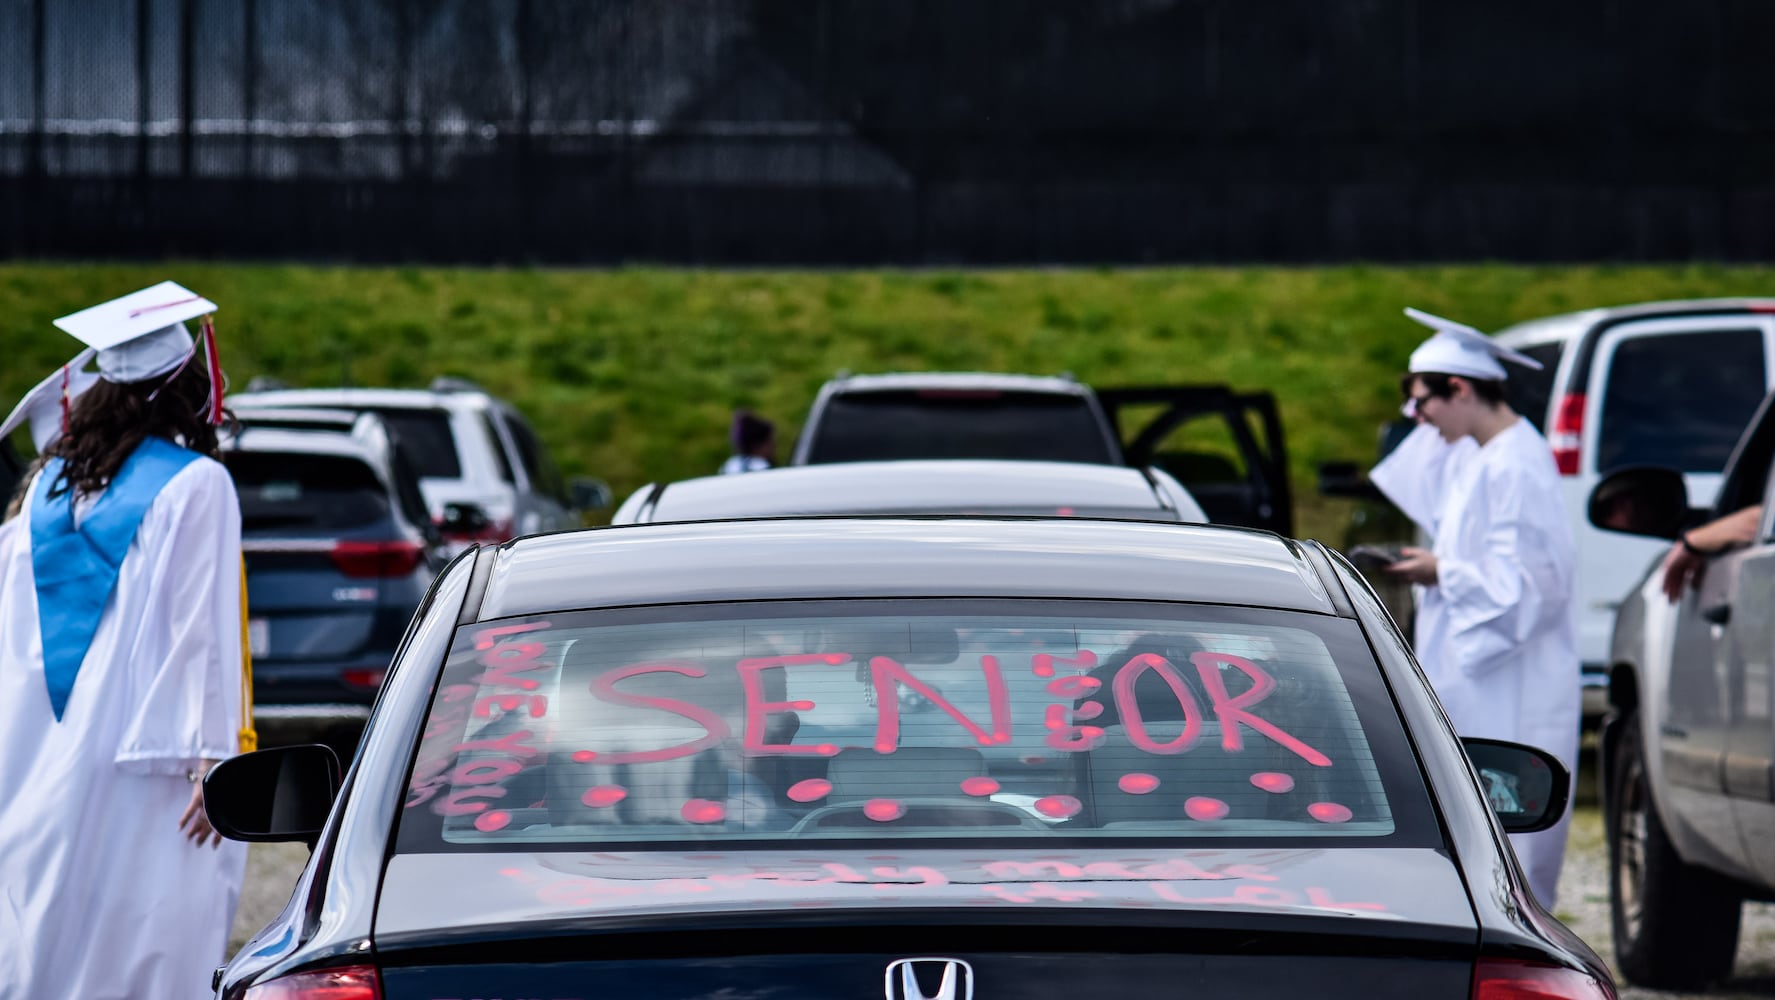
(1692, 549)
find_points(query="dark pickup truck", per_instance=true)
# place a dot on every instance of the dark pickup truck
(1225, 446)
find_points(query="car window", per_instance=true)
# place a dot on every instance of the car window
(283, 492)
(544, 478)
(406, 487)
(500, 458)
(1680, 400)
(426, 436)
(911, 720)
(871, 426)
(1530, 392)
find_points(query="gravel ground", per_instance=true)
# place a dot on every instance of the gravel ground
(1583, 905)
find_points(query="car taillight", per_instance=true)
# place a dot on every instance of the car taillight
(351, 982)
(1511, 979)
(1567, 437)
(368, 678)
(375, 559)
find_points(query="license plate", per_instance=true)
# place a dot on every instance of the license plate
(259, 636)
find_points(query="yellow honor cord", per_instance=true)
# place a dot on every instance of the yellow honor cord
(249, 737)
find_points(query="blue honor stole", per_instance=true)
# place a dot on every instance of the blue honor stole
(76, 566)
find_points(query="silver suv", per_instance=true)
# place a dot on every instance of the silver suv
(484, 471)
(1688, 752)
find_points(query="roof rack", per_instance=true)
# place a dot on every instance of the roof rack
(454, 383)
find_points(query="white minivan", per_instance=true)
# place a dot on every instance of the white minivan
(1668, 384)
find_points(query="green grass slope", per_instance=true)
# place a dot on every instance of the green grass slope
(630, 374)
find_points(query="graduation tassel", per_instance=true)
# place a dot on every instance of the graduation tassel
(209, 350)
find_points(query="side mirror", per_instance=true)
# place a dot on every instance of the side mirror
(464, 519)
(1346, 479)
(1526, 787)
(1644, 500)
(590, 494)
(283, 793)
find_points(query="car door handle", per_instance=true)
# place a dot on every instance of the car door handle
(1718, 614)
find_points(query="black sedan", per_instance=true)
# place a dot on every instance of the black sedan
(905, 758)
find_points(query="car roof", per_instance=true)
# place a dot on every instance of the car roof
(928, 486)
(883, 557)
(414, 399)
(304, 442)
(958, 381)
(1568, 326)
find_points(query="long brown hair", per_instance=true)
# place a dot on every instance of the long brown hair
(111, 419)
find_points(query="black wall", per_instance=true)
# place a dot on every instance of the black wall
(896, 131)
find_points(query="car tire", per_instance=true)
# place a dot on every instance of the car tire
(1675, 924)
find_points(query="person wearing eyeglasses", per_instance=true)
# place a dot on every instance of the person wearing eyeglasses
(1496, 629)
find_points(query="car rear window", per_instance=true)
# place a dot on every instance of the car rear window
(1680, 400)
(427, 439)
(1007, 720)
(1530, 392)
(282, 492)
(873, 426)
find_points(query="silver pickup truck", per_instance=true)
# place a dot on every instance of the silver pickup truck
(1688, 752)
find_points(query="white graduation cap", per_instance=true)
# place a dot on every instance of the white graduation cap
(1458, 349)
(42, 406)
(141, 335)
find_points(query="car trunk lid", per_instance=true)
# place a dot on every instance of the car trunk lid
(1253, 923)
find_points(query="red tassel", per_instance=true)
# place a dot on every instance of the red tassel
(215, 362)
(65, 403)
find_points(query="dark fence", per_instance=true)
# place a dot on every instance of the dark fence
(898, 131)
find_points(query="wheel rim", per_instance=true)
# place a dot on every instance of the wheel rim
(1630, 850)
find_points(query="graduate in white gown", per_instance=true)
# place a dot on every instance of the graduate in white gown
(120, 671)
(1496, 629)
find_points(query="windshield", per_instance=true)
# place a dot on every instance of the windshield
(282, 492)
(886, 426)
(910, 720)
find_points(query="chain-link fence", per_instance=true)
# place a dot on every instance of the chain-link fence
(913, 131)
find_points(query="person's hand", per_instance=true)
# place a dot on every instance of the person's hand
(1682, 568)
(1415, 565)
(193, 822)
(1686, 565)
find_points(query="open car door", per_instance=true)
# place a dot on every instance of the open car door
(1226, 447)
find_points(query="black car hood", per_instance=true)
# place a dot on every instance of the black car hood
(1381, 891)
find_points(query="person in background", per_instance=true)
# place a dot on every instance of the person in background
(1496, 631)
(754, 444)
(121, 669)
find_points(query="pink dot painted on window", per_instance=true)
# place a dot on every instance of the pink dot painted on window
(584, 756)
(1204, 809)
(1273, 781)
(802, 706)
(1058, 806)
(810, 790)
(883, 810)
(604, 795)
(1329, 812)
(497, 819)
(979, 786)
(1137, 783)
(703, 811)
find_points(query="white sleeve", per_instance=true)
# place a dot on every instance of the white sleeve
(1415, 475)
(190, 708)
(1513, 587)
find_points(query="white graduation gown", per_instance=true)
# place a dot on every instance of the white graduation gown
(101, 895)
(1497, 635)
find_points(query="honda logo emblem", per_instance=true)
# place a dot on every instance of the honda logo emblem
(951, 979)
